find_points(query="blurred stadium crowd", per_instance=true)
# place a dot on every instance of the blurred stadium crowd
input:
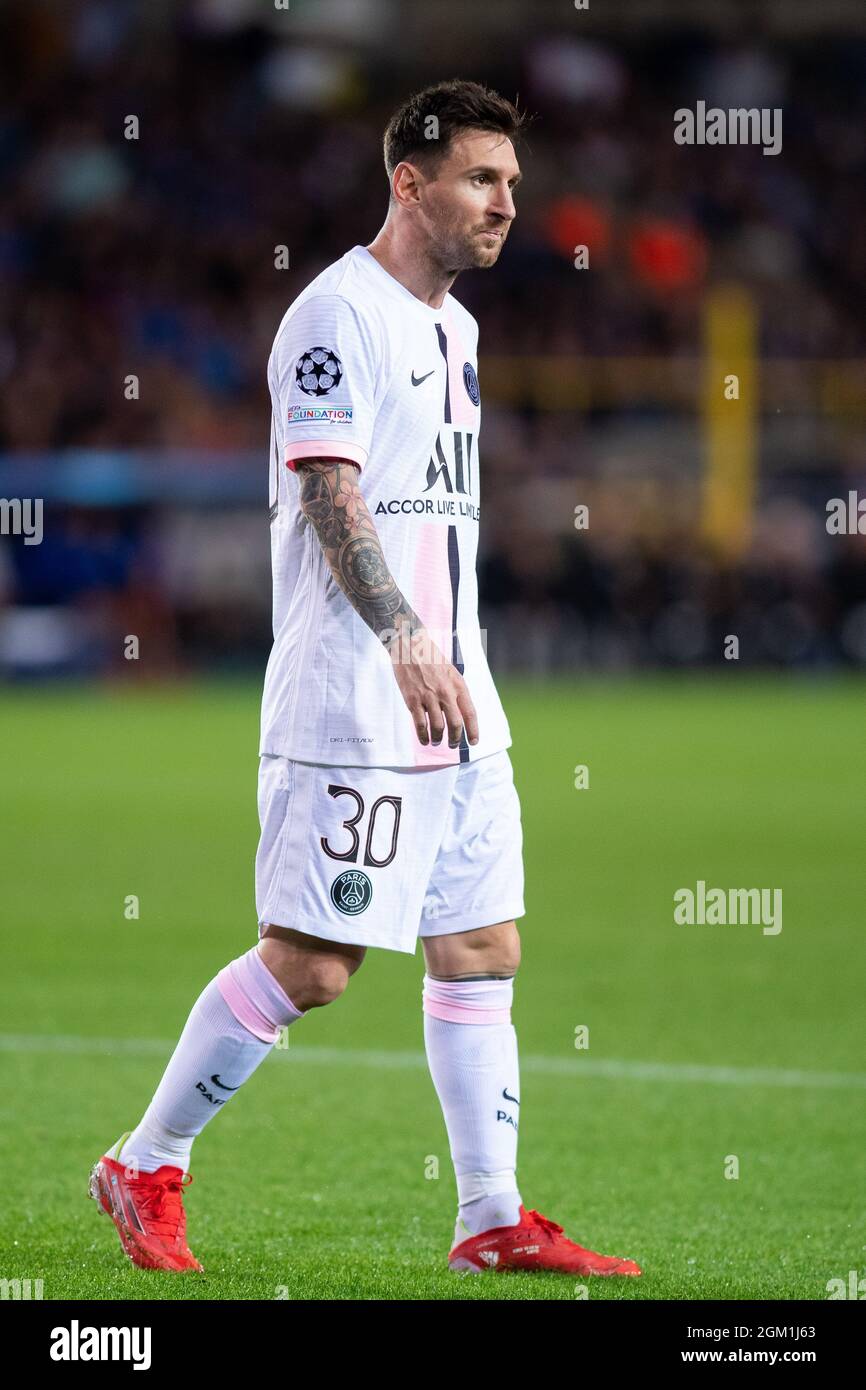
(261, 127)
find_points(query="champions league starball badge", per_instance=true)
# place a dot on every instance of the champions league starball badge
(318, 371)
(351, 892)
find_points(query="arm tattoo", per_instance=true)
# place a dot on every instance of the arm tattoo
(331, 500)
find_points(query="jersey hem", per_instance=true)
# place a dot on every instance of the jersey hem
(324, 761)
(472, 921)
(325, 448)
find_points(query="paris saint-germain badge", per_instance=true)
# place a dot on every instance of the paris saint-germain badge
(470, 381)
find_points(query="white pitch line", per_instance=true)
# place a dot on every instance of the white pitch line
(579, 1067)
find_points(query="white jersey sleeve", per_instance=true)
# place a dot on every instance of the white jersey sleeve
(325, 374)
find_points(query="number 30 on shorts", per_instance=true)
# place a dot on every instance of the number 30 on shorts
(350, 855)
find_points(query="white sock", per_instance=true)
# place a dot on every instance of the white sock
(232, 1027)
(472, 1053)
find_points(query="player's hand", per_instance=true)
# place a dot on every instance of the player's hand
(434, 691)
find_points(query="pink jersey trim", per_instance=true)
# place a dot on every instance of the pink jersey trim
(431, 599)
(325, 448)
(463, 413)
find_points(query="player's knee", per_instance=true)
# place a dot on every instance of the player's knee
(310, 974)
(506, 950)
(495, 949)
(325, 979)
(491, 950)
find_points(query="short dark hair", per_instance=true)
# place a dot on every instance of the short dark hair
(457, 106)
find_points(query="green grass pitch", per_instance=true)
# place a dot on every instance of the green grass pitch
(705, 1041)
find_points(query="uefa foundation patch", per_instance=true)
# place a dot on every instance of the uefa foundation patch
(320, 414)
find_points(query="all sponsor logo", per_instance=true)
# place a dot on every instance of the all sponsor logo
(449, 478)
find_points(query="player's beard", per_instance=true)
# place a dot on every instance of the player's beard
(454, 249)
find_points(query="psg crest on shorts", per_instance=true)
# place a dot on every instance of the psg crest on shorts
(318, 371)
(470, 381)
(351, 892)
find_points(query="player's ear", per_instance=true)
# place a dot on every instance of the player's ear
(405, 184)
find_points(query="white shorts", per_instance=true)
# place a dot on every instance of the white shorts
(378, 856)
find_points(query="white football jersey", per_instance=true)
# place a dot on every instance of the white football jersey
(364, 370)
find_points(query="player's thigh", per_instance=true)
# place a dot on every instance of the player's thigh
(492, 950)
(345, 853)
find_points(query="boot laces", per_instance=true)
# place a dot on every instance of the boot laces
(163, 1202)
(552, 1228)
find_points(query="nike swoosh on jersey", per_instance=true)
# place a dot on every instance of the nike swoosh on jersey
(416, 380)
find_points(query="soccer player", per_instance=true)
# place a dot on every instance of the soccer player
(386, 797)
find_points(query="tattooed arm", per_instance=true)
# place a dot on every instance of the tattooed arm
(431, 686)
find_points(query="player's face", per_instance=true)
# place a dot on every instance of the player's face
(468, 205)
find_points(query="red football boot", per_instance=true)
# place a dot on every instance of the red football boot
(147, 1211)
(534, 1243)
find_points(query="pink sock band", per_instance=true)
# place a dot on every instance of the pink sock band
(468, 1001)
(255, 997)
